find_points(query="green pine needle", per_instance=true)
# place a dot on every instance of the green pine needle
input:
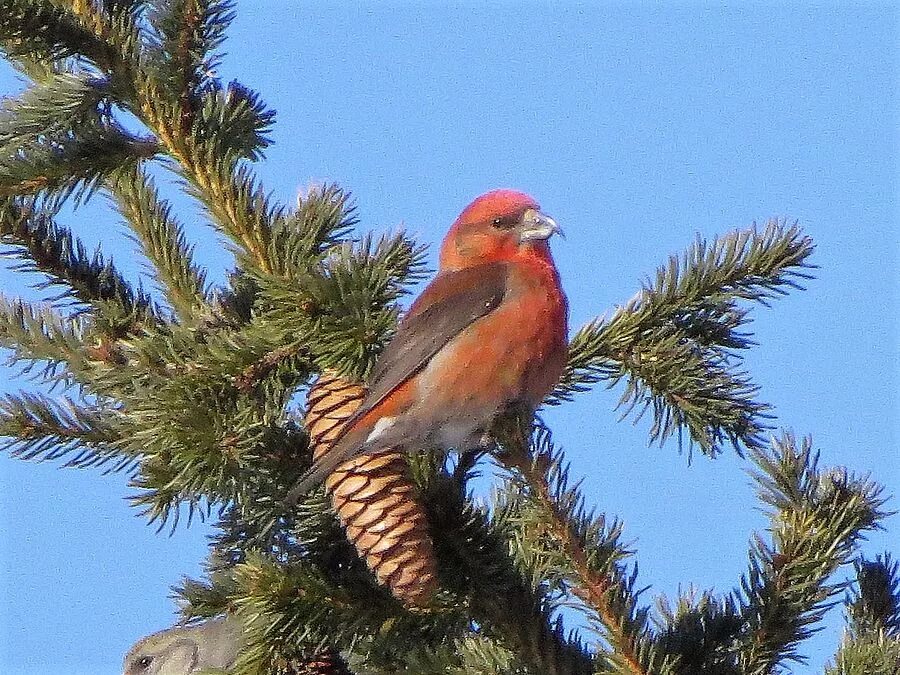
(36, 428)
(38, 335)
(676, 344)
(40, 29)
(162, 241)
(817, 516)
(32, 236)
(875, 604)
(188, 33)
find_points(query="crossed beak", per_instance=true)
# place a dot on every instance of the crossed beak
(537, 226)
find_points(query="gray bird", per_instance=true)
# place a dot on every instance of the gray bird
(183, 650)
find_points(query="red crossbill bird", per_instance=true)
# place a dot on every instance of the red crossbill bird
(489, 332)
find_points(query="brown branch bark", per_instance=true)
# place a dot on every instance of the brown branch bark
(592, 587)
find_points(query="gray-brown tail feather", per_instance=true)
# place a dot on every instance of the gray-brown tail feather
(344, 448)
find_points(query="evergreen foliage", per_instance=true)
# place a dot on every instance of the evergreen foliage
(194, 390)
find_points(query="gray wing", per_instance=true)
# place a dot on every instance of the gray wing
(449, 305)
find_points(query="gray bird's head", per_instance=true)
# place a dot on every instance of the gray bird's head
(184, 650)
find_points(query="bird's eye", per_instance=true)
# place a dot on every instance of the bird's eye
(505, 222)
(144, 662)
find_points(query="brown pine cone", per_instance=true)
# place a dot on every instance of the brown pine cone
(374, 497)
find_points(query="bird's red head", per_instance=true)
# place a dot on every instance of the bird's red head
(499, 225)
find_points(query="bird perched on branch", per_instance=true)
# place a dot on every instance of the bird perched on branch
(489, 332)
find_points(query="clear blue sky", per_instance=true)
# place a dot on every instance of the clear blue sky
(635, 126)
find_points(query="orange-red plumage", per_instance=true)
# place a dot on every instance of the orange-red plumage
(488, 332)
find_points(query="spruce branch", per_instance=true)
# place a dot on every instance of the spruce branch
(34, 427)
(248, 525)
(700, 631)
(477, 653)
(200, 458)
(231, 125)
(344, 310)
(37, 334)
(871, 642)
(204, 441)
(816, 516)
(162, 240)
(54, 104)
(323, 218)
(74, 161)
(236, 121)
(95, 36)
(44, 30)
(471, 654)
(208, 161)
(231, 195)
(115, 23)
(875, 655)
(282, 624)
(676, 344)
(581, 551)
(42, 245)
(60, 136)
(188, 33)
(261, 368)
(475, 559)
(875, 603)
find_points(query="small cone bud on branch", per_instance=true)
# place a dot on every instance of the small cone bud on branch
(326, 662)
(374, 497)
